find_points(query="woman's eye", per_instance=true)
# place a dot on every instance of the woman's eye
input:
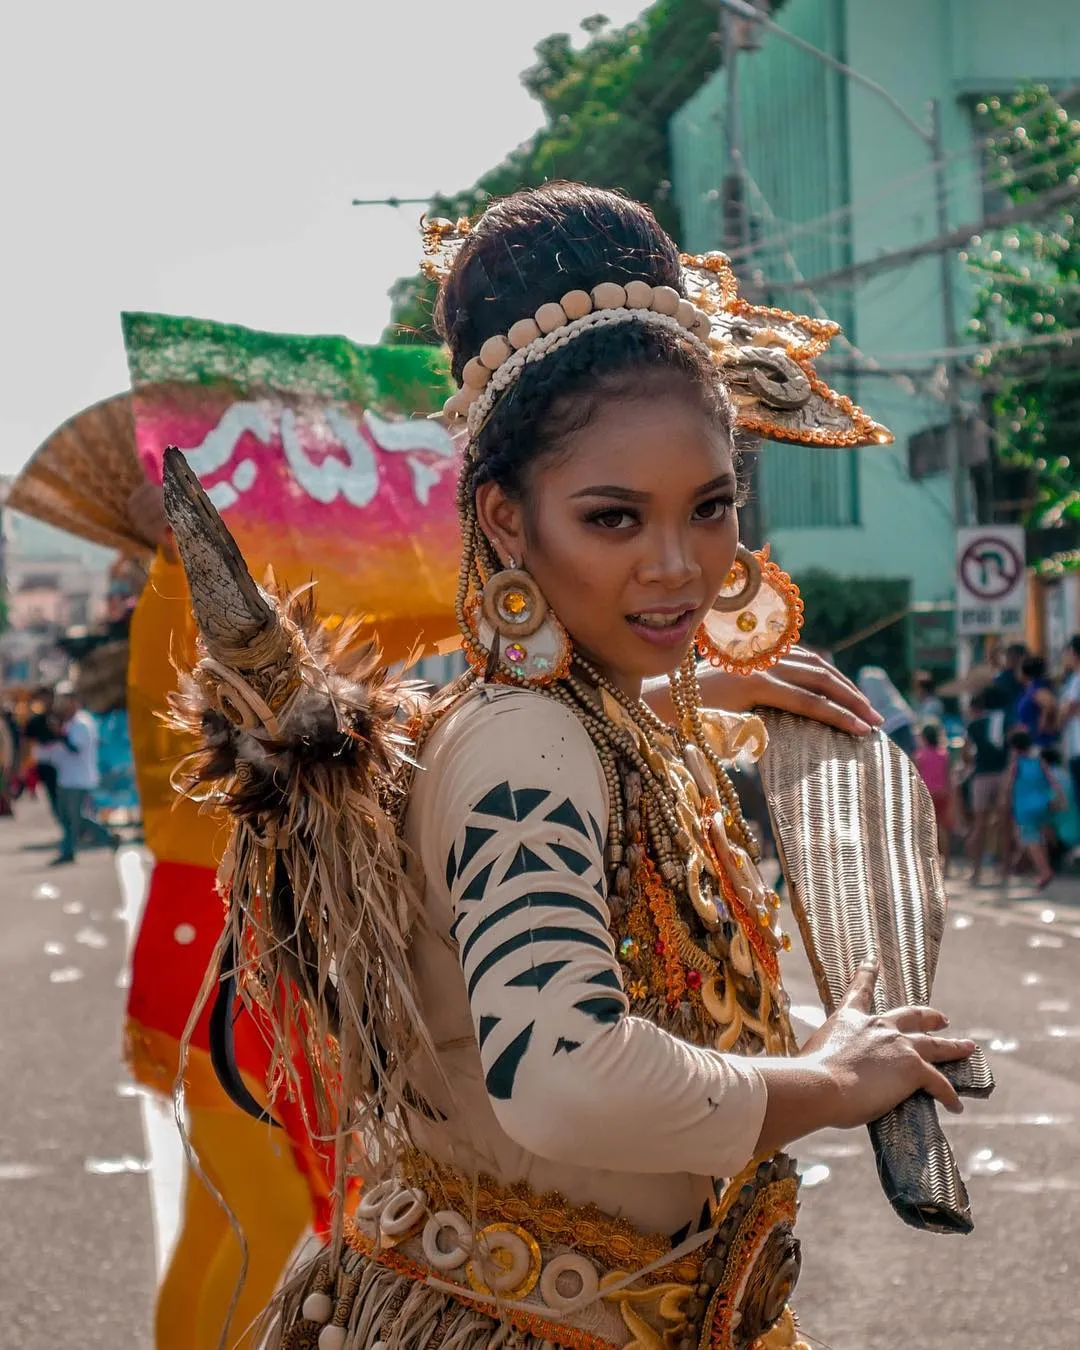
(716, 508)
(615, 518)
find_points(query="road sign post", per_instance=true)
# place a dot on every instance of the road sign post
(991, 580)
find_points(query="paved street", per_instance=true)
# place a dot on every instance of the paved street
(89, 1169)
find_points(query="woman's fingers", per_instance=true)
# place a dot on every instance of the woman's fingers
(942, 1049)
(783, 692)
(828, 680)
(860, 994)
(806, 685)
(916, 1018)
(939, 1087)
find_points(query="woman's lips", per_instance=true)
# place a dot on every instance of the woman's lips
(668, 634)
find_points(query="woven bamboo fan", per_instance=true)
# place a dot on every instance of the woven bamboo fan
(82, 478)
(858, 841)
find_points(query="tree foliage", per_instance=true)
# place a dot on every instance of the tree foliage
(606, 106)
(1028, 286)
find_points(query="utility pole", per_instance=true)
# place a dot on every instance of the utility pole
(954, 456)
(736, 233)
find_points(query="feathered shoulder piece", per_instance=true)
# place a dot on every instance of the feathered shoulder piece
(303, 740)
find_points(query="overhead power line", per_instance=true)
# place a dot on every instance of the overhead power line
(963, 234)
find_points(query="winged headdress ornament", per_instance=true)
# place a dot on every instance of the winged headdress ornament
(765, 354)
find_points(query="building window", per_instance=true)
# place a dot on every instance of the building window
(802, 488)
(928, 450)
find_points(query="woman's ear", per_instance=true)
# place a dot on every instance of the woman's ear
(503, 521)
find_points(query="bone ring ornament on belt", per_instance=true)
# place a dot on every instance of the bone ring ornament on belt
(373, 1202)
(447, 1221)
(402, 1212)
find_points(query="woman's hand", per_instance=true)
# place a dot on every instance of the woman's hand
(876, 1062)
(802, 682)
(857, 1066)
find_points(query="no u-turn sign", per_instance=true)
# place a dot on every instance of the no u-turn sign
(991, 580)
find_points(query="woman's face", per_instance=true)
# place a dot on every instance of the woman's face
(629, 531)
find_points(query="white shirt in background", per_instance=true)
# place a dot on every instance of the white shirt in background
(76, 767)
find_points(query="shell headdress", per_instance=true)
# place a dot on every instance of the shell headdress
(765, 354)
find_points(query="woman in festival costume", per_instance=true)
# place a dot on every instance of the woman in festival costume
(562, 1039)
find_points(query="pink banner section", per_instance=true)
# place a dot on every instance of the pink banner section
(324, 488)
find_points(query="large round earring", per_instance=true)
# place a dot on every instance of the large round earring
(756, 618)
(741, 584)
(516, 633)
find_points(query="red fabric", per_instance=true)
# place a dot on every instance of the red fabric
(181, 923)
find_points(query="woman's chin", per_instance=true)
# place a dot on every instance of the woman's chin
(638, 659)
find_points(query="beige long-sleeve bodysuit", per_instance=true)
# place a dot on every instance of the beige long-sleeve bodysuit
(552, 1081)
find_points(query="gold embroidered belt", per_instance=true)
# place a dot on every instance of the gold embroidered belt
(574, 1275)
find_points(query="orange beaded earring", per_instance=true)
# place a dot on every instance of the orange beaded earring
(756, 618)
(516, 635)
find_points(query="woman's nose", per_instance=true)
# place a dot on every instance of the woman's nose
(670, 562)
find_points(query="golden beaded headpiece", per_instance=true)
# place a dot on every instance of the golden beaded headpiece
(765, 354)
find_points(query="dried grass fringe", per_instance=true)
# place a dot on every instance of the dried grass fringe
(309, 756)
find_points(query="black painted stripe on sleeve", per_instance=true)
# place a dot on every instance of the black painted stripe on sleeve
(598, 833)
(601, 1009)
(500, 1077)
(498, 802)
(451, 867)
(531, 900)
(607, 977)
(511, 804)
(524, 862)
(476, 888)
(566, 813)
(534, 935)
(575, 861)
(475, 839)
(526, 800)
(563, 1044)
(536, 977)
(486, 1027)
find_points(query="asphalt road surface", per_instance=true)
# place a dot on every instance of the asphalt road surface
(89, 1169)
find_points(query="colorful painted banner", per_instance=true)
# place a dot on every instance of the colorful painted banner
(319, 456)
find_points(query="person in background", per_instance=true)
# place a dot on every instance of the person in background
(1008, 686)
(9, 763)
(42, 732)
(928, 707)
(74, 756)
(1033, 795)
(1069, 712)
(932, 762)
(1065, 821)
(988, 756)
(1036, 709)
(898, 718)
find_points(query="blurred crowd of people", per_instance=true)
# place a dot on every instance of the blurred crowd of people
(999, 757)
(80, 761)
(1004, 771)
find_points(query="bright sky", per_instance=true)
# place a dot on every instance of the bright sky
(201, 158)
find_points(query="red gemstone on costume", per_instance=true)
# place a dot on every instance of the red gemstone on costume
(659, 948)
(693, 979)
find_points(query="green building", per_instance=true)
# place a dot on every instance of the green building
(834, 176)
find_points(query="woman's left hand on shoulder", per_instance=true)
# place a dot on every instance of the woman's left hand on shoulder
(801, 682)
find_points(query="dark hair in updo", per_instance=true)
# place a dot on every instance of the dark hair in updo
(532, 248)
